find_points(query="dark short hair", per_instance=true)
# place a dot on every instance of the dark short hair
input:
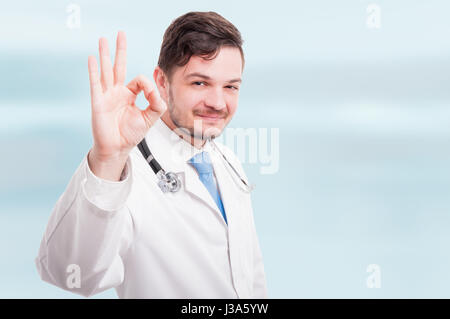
(197, 33)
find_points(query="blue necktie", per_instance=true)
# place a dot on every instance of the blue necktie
(202, 163)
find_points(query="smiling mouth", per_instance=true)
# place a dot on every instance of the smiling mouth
(210, 117)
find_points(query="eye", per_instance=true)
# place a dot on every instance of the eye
(232, 87)
(198, 83)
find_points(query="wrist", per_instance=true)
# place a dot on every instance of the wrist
(107, 167)
(105, 159)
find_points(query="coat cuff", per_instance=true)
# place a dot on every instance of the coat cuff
(108, 195)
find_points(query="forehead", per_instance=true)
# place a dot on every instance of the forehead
(225, 66)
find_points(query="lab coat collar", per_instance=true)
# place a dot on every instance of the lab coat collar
(175, 151)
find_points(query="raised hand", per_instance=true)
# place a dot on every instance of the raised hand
(118, 124)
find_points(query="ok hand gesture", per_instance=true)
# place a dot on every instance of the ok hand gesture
(118, 124)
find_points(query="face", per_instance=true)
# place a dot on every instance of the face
(202, 96)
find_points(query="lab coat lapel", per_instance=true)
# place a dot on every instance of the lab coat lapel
(226, 189)
(192, 183)
(194, 186)
(226, 186)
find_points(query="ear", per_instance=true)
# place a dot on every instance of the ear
(162, 83)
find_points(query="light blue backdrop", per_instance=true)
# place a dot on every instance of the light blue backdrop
(363, 116)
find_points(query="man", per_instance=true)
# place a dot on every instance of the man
(113, 226)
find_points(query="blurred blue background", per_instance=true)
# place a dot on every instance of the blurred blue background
(363, 117)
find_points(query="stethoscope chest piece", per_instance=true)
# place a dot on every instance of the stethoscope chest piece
(169, 182)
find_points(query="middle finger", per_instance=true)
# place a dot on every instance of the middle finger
(107, 78)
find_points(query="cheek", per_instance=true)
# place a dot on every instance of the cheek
(232, 104)
(189, 100)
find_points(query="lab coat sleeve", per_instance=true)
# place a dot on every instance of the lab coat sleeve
(88, 233)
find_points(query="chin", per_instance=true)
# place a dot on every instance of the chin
(212, 130)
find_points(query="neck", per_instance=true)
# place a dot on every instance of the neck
(196, 142)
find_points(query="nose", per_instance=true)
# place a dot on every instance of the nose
(215, 99)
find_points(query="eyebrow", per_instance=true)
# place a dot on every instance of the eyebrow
(196, 74)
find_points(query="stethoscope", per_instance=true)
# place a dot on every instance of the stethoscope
(169, 182)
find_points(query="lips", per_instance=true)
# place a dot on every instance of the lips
(212, 117)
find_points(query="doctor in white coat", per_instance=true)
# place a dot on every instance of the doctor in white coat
(113, 227)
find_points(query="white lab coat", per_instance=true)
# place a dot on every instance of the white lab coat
(148, 244)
